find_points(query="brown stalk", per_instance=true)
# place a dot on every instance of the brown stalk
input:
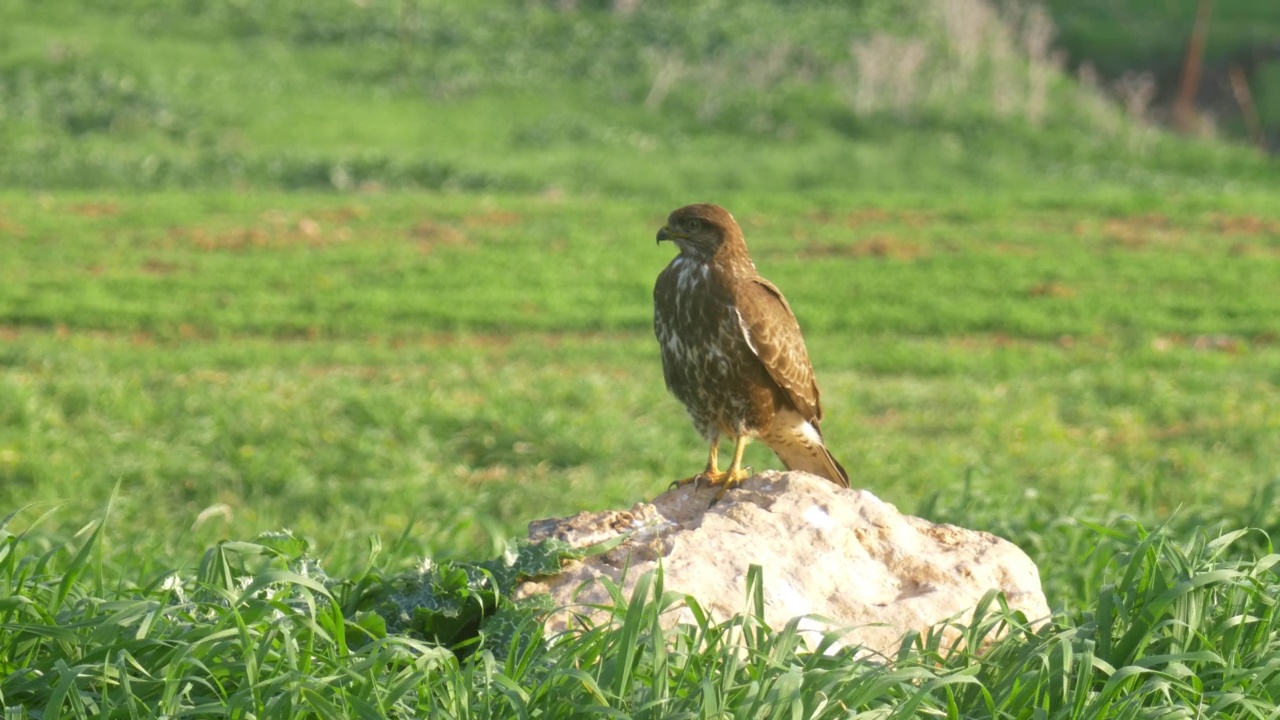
(1184, 111)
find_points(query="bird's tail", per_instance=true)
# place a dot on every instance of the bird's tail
(798, 444)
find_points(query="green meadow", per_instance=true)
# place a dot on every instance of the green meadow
(381, 273)
(340, 364)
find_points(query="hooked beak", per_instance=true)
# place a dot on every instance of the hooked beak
(663, 234)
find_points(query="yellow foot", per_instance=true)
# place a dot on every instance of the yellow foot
(727, 480)
(731, 480)
(697, 481)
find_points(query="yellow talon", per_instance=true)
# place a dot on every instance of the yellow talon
(710, 477)
(713, 476)
(731, 480)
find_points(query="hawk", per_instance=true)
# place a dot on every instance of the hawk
(732, 350)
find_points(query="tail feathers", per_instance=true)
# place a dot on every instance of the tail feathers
(841, 477)
(798, 444)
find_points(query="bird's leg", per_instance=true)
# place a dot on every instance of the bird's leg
(736, 473)
(712, 473)
(711, 476)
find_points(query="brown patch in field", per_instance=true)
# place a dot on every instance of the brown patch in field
(239, 239)
(431, 235)
(156, 266)
(343, 214)
(501, 340)
(858, 218)
(800, 234)
(1204, 343)
(888, 419)
(1051, 289)
(1242, 249)
(11, 228)
(887, 246)
(1218, 343)
(216, 377)
(309, 228)
(493, 218)
(981, 342)
(1173, 431)
(282, 235)
(1018, 250)
(916, 219)
(363, 372)
(1004, 341)
(95, 210)
(194, 333)
(1140, 230)
(880, 246)
(868, 216)
(1250, 225)
(1206, 424)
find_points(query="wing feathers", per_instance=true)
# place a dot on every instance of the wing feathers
(774, 336)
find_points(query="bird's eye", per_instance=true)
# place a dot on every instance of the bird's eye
(692, 225)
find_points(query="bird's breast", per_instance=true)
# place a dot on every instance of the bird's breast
(697, 326)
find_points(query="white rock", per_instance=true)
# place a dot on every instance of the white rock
(839, 553)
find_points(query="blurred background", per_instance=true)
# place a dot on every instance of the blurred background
(632, 96)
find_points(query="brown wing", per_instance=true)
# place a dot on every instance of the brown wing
(774, 336)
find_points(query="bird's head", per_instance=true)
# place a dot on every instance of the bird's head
(702, 230)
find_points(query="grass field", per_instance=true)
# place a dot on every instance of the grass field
(380, 273)
(439, 370)
(353, 364)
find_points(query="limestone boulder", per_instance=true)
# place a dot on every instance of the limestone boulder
(839, 553)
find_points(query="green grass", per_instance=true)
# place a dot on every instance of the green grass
(387, 284)
(260, 630)
(460, 366)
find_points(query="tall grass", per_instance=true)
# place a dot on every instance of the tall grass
(1176, 628)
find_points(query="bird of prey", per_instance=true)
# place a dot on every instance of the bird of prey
(732, 350)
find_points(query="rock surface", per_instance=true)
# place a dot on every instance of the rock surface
(840, 553)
